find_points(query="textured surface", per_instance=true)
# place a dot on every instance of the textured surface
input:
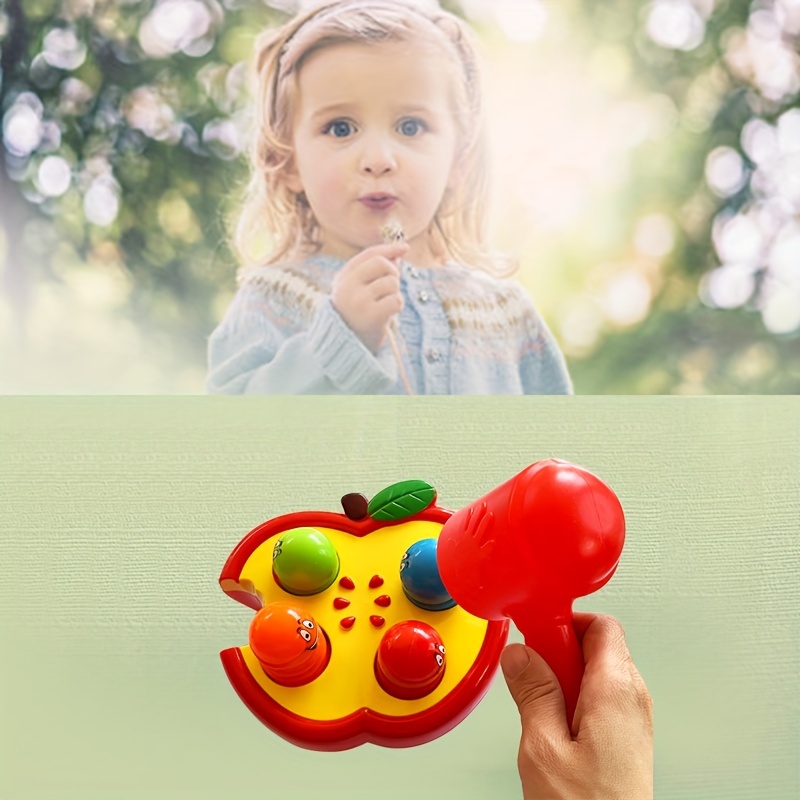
(116, 515)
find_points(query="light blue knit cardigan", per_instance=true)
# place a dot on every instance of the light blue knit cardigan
(461, 331)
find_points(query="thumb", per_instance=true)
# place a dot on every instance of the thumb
(535, 689)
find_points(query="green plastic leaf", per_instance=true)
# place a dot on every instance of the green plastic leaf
(401, 500)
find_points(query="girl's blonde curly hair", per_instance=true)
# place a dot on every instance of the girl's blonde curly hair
(458, 230)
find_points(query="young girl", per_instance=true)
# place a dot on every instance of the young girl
(370, 179)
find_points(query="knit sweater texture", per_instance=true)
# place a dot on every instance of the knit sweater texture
(461, 331)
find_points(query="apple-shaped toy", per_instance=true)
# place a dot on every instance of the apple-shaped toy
(354, 638)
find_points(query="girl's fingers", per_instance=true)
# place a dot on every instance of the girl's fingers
(368, 271)
(386, 251)
(388, 284)
(389, 306)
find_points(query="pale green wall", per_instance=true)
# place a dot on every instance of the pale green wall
(118, 513)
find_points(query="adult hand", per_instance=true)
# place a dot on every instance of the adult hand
(609, 753)
(366, 291)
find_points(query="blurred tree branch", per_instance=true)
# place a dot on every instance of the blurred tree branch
(15, 213)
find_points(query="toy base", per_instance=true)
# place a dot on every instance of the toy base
(365, 725)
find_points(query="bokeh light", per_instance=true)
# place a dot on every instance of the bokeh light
(675, 24)
(177, 25)
(224, 137)
(63, 49)
(738, 239)
(145, 109)
(101, 201)
(728, 286)
(654, 236)
(725, 171)
(780, 308)
(22, 125)
(53, 177)
(627, 298)
(760, 56)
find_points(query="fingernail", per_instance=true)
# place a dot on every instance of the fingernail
(514, 659)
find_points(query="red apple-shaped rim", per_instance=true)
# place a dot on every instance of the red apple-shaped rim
(313, 519)
(363, 725)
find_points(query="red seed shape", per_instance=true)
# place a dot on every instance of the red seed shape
(347, 583)
(384, 600)
(375, 581)
(341, 602)
(377, 621)
(347, 622)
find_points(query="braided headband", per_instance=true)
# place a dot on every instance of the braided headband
(333, 8)
(329, 9)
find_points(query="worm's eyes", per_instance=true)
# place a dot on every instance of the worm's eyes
(440, 648)
(277, 549)
(439, 659)
(308, 624)
(305, 634)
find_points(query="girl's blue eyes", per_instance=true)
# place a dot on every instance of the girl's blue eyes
(416, 126)
(341, 128)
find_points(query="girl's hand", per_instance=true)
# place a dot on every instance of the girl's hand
(611, 754)
(366, 292)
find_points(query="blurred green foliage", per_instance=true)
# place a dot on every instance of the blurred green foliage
(123, 140)
(744, 68)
